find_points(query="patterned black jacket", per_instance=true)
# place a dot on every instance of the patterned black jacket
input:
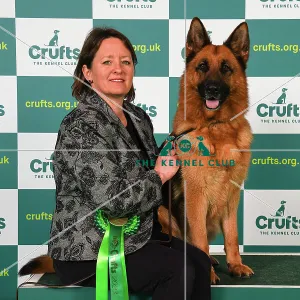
(94, 169)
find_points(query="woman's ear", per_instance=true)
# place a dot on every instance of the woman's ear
(87, 73)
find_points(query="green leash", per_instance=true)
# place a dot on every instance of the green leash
(111, 257)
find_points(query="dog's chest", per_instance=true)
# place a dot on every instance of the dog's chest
(214, 160)
(215, 144)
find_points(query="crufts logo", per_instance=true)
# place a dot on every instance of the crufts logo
(54, 50)
(2, 111)
(54, 40)
(278, 223)
(150, 110)
(280, 108)
(42, 168)
(2, 224)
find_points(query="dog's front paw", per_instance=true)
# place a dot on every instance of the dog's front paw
(240, 270)
(214, 278)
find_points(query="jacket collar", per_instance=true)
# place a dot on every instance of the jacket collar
(97, 102)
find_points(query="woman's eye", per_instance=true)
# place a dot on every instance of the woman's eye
(126, 62)
(107, 62)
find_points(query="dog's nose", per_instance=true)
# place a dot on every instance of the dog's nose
(213, 89)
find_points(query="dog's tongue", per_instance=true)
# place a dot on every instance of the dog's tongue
(212, 103)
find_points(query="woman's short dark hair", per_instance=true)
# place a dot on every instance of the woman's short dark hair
(89, 49)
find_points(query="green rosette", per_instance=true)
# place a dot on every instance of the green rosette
(111, 257)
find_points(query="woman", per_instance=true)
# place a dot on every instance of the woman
(96, 166)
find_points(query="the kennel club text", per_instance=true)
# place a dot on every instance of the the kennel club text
(281, 4)
(188, 162)
(131, 3)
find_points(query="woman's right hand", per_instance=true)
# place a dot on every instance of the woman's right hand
(165, 168)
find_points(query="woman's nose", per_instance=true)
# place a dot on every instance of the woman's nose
(117, 67)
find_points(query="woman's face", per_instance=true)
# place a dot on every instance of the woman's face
(112, 69)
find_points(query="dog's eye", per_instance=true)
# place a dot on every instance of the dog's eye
(225, 68)
(203, 67)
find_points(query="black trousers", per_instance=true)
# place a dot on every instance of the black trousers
(156, 269)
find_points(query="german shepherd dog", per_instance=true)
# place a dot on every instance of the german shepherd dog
(213, 89)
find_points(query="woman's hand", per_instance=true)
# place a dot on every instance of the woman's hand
(165, 168)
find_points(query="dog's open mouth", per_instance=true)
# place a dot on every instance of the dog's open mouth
(212, 103)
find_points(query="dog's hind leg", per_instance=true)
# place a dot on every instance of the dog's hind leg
(163, 218)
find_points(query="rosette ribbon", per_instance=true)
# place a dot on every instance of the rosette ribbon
(111, 257)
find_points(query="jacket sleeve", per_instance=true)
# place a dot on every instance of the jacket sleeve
(98, 173)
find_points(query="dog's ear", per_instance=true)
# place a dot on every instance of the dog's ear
(197, 37)
(239, 43)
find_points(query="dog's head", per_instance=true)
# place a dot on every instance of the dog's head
(217, 73)
(282, 202)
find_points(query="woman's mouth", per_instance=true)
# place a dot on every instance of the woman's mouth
(117, 80)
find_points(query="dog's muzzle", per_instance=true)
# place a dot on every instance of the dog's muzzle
(213, 93)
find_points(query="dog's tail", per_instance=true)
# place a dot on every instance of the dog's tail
(38, 265)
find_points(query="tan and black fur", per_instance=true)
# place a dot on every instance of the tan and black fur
(212, 193)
